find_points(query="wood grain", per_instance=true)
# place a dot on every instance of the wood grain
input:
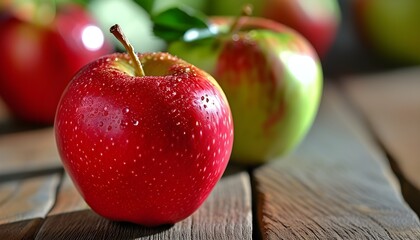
(391, 103)
(27, 198)
(226, 214)
(26, 229)
(337, 185)
(28, 152)
(68, 198)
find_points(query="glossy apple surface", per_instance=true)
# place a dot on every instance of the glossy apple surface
(316, 20)
(273, 81)
(149, 149)
(390, 28)
(38, 61)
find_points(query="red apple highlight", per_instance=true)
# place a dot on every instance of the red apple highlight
(144, 143)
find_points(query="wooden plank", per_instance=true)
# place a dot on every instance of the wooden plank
(20, 230)
(28, 152)
(68, 198)
(391, 104)
(337, 185)
(226, 214)
(27, 198)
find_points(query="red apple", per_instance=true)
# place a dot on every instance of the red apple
(144, 146)
(272, 78)
(316, 20)
(37, 61)
(390, 28)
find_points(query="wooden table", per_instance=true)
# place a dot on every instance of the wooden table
(355, 176)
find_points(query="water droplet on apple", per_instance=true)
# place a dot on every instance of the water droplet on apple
(101, 124)
(135, 122)
(126, 110)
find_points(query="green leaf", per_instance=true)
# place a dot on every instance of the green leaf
(173, 23)
(147, 5)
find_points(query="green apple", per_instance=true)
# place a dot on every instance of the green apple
(390, 28)
(316, 20)
(272, 78)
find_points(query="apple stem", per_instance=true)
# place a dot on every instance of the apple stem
(246, 11)
(119, 34)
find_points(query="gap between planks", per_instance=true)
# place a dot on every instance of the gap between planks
(336, 185)
(390, 102)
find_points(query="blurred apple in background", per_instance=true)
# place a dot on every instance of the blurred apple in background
(390, 28)
(42, 47)
(271, 76)
(316, 20)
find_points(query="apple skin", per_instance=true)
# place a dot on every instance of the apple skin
(316, 20)
(146, 150)
(38, 61)
(390, 28)
(272, 78)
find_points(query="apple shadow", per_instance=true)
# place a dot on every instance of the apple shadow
(80, 224)
(235, 167)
